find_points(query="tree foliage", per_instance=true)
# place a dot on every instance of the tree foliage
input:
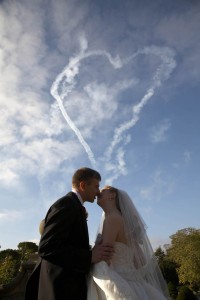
(185, 294)
(160, 255)
(9, 252)
(9, 265)
(167, 266)
(26, 248)
(185, 252)
(172, 290)
(10, 260)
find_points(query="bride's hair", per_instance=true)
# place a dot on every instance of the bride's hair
(114, 191)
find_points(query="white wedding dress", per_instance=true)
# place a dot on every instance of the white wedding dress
(121, 280)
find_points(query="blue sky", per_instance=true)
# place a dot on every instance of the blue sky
(112, 85)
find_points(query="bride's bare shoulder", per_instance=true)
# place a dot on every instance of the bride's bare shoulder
(114, 217)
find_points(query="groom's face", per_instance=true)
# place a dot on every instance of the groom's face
(91, 189)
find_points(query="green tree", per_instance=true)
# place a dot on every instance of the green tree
(10, 260)
(167, 266)
(9, 252)
(160, 255)
(172, 290)
(185, 252)
(185, 294)
(9, 265)
(26, 248)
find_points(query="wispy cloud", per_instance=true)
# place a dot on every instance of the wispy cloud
(159, 132)
(187, 156)
(170, 30)
(89, 87)
(65, 83)
(31, 138)
(97, 93)
(9, 215)
(107, 65)
(159, 242)
(158, 188)
(39, 157)
(184, 160)
(8, 174)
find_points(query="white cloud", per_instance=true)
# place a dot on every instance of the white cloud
(37, 39)
(48, 153)
(184, 160)
(37, 158)
(67, 32)
(8, 174)
(98, 101)
(186, 43)
(171, 27)
(34, 128)
(31, 126)
(159, 242)
(22, 43)
(36, 241)
(8, 129)
(159, 187)
(158, 133)
(12, 216)
(187, 156)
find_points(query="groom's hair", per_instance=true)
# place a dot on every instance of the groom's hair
(84, 174)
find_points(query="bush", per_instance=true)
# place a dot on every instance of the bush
(185, 294)
(172, 290)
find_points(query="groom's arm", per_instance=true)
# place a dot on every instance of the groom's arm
(102, 252)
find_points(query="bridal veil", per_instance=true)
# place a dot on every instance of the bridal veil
(143, 256)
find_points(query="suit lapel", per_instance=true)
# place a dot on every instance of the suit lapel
(82, 217)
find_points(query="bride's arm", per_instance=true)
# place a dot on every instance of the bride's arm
(111, 229)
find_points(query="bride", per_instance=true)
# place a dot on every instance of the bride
(133, 272)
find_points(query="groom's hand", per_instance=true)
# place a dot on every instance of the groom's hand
(98, 239)
(102, 252)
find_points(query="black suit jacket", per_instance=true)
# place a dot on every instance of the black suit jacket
(65, 255)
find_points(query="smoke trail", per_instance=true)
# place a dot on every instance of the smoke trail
(54, 91)
(162, 73)
(65, 83)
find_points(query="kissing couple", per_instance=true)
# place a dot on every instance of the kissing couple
(121, 264)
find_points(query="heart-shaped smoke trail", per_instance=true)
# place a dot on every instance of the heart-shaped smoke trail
(162, 73)
(65, 83)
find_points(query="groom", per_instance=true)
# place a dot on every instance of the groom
(65, 254)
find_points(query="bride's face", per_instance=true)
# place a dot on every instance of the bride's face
(104, 196)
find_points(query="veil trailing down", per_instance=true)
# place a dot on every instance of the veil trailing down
(134, 273)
